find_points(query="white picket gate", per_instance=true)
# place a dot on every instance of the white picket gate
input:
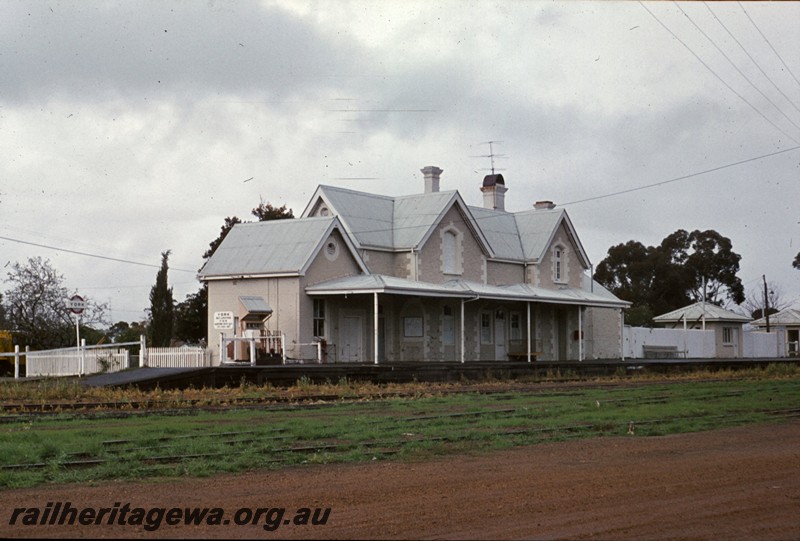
(181, 357)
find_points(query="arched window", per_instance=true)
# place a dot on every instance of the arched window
(450, 252)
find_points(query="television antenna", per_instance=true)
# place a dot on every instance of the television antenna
(492, 156)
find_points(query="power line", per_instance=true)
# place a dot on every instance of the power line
(684, 177)
(86, 254)
(731, 62)
(716, 75)
(753, 60)
(768, 43)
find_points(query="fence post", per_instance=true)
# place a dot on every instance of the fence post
(82, 353)
(283, 348)
(319, 352)
(142, 351)
(16, 361)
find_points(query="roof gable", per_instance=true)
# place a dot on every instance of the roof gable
(367, 218)
(274, 247)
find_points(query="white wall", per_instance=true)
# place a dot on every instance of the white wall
(697, 344)
(763, 344)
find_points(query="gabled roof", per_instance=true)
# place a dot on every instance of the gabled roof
(526, 236)
(695, 312)
(391, 223)
(272, 248)
(788, 316)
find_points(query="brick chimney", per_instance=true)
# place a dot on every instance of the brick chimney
(494, 192)
(544, 205)
(431, 174)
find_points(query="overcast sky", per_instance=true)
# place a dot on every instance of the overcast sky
(131, 128)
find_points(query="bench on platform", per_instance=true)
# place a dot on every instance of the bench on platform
(662, 352)
(523, 356)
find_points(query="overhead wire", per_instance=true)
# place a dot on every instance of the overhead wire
(732, 63)
(715, 74)
(769, 43)
(752, 59)
(87, 254)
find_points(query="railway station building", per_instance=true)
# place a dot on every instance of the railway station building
(368, 278)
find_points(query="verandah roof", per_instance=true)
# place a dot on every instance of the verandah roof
(460, 289)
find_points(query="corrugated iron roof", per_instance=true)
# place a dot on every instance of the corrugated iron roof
(377, 283)
(788, 316)
(696, 311)
(271, 247)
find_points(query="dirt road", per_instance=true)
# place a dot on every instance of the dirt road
(741, 483)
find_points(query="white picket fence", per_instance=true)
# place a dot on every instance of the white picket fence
(107, 358)
(75, 361)
(182, 357)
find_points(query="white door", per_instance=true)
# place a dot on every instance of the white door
(351, 339)
(500, 337)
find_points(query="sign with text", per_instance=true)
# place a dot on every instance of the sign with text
(76, 304)
(223, 320)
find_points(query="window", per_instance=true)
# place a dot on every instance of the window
(486, 328)
(558, 254)
(727, 335)
(516, 326)
(319, 318)
(450, 253)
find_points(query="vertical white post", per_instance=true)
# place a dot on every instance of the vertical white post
(463, 337)
(622, 334)
(142, 351)
(16, 361)
(375, 327)
(82, 350)
(529, 329)
(580, 333)
(283, 348)
(252, 342)
(319, 352)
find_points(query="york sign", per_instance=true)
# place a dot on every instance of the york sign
(76, 304)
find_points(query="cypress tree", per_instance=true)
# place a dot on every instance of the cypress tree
(161, 306)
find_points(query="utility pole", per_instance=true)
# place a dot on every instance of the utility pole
(766, 300)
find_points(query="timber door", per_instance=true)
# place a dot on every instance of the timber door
(351, 350)
(500, 349)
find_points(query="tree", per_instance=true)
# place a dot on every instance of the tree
(161, 306)
(754, 305)
(684, 268)
(122, 331)
(191, 316)
(265, 211)
(35, 305)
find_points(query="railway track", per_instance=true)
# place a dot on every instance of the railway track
(117, 450)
